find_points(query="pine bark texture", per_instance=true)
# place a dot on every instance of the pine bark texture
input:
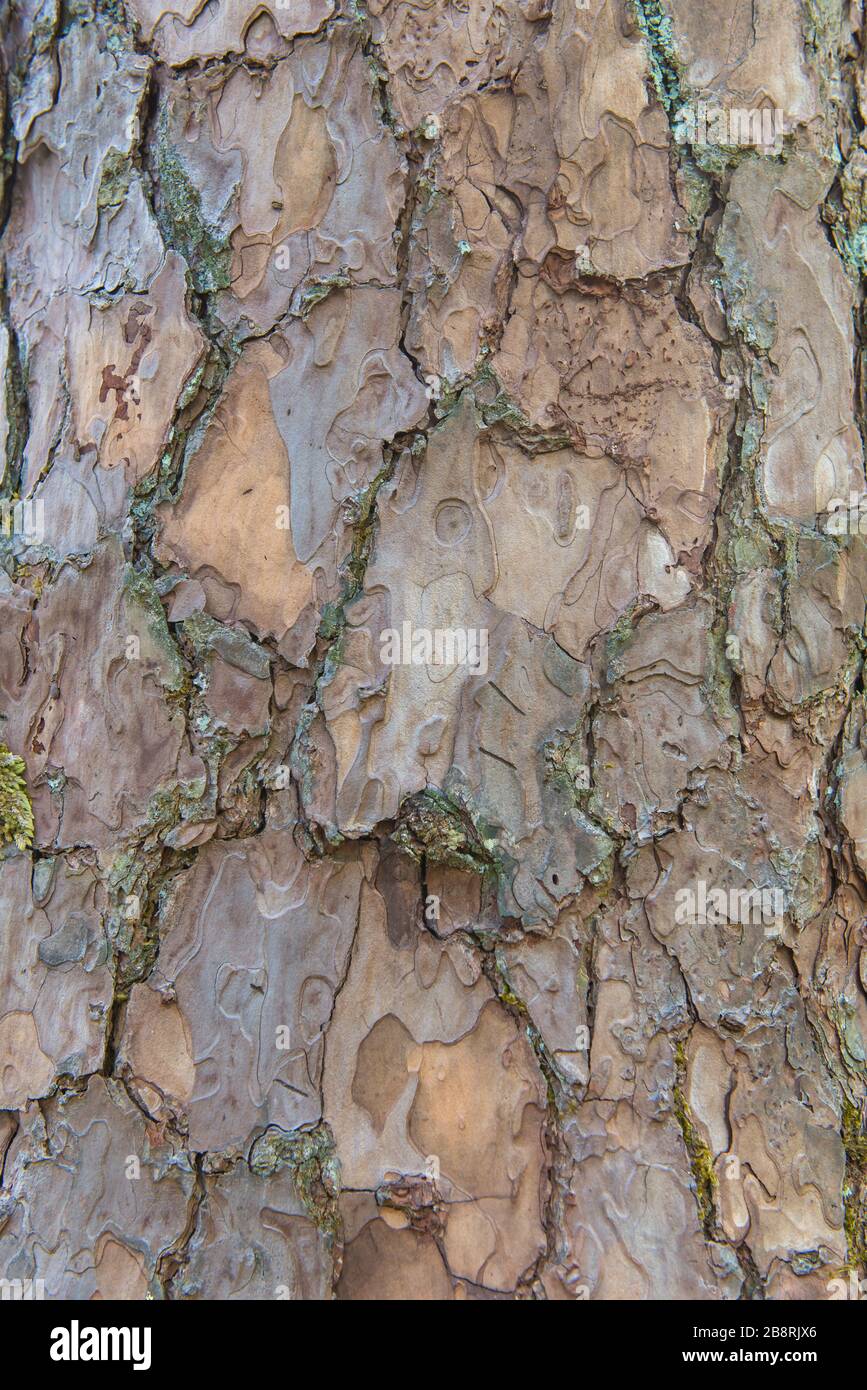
(327, 972)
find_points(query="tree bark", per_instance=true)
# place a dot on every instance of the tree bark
(432, 781)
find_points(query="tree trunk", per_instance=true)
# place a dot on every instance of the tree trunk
(433, 595)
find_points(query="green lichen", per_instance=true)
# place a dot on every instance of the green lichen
(619, 638)
(699, 159)
(845, 1019)
(696, 189)
(848, 219)
(556, 1084)
(41, 31)
(823, 36)
(331, 621)
(314, 293)
(179, 212)
(854, 1133)
(433, 827)
(111, 13)
(498, 408)
(180, 800)
(700, 1157)
(17, 403)
(16, 812)
(666, 69)
(566, 764)
(115, 176)
(751, 313)
(140, 880)
(143, 602)
(233, 646)
(311, 1158)
(194, 411)
(362, 514)
(503, 410)
(722, 667)
(361, 510)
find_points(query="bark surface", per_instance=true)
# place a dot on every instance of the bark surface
(335, 335)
